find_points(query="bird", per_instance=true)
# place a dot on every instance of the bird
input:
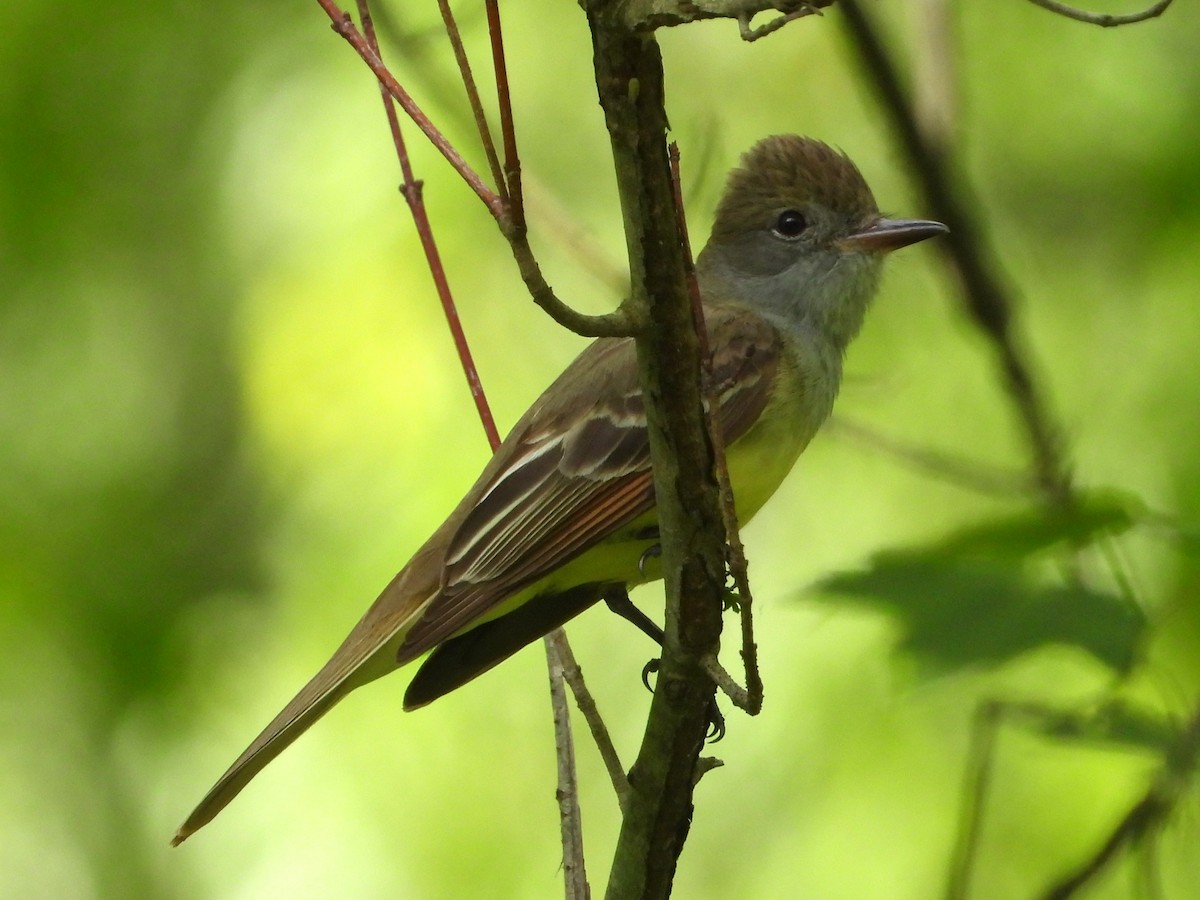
(564, 512)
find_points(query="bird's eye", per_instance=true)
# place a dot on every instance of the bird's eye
(790, 224)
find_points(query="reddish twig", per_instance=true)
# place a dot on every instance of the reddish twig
(512, 160)
(343, 25)
(468, 79)
(556, 645)
(413, 195)
(509, 216)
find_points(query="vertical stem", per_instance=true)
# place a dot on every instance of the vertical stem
(570, 817)
(512, 160)
(654, 828)
(468, 80)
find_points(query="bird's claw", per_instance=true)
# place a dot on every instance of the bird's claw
(652, 552)
(716, 721)
(651, 668)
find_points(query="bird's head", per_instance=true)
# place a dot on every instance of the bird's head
(798, 234)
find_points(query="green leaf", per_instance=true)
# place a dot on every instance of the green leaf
(1117, 722)
(974, 599)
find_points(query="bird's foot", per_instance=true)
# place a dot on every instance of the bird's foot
(716, 721)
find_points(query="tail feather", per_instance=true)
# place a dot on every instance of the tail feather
(367, 653)
(316, 699)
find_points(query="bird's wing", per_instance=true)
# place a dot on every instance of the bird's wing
(578, 471)
(571, 473)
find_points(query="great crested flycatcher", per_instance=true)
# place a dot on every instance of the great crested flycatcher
(564, 511)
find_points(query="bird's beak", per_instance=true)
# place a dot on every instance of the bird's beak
(885, 235)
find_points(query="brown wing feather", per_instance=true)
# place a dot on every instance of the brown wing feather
(575, 480)
(567, 477)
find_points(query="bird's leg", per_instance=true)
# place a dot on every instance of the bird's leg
(617, 599)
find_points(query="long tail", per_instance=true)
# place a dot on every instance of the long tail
(314, 700)
(368, 652)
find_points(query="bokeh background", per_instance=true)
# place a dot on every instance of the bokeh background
(229, 412)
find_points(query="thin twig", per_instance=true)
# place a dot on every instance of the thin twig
(512, 159)
(561, 225)
(730, 688)
(1144, 817)
(343, 25)
(978, 779)
(570, 816)
(945, 467)
(591, 714)
(571, 823)
(476, 104)
(615, 324)
(509, 214)
(749, 698)
(413, 195)
(1104, 20)
(753, 34)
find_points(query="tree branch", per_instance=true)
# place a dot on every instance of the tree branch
(1103, 19)
(647, 15)
(654, 828)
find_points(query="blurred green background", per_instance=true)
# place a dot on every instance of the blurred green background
(229, 412)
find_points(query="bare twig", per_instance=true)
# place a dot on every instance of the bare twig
(512, 226)
(1104, 20)
(945, 467)
(646, 15)
(570, 815)
(343, 25)
(571, 823)
(750, 697)
(753, 34)
(512, 159)
(591, 714)
(561, 225)
(620, 323)
(740, 696)
(468, 80)
(411, 189)
(1144, 817)
(978, 779)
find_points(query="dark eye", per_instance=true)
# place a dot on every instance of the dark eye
(790, 224)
